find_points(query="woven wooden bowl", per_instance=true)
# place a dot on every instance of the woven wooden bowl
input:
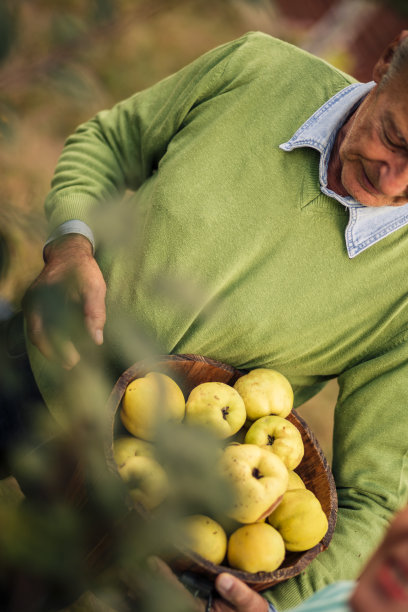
(189, 371)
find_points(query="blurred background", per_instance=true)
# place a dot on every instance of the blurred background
(61, 62)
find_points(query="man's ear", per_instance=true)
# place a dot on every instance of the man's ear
(384, 61)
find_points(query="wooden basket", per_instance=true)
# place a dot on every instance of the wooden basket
(191, 370)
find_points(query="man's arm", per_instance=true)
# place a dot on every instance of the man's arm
(238, 596)
(370, 467)
(116, 150)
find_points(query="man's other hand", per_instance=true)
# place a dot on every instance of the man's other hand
(237, 596)
(72, 276)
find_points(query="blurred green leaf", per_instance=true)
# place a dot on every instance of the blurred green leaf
(33, 536)
(70, 82)
(103, 10)
(66, 28)
(4, 256)
(7, 122)
(190, 456)
(8, 27)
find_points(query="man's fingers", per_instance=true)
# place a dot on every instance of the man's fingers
(239, 595)
(68, 355)
(59, 350)
(37, 336)
(95, 323)
(94, 310)
(53, 347)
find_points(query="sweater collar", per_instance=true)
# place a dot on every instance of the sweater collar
(367, 225)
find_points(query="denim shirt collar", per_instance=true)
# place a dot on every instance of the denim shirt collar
(367, 225)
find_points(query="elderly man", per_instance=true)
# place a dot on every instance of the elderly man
(275, 188)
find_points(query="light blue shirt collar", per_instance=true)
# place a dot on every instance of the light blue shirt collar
(367, 225)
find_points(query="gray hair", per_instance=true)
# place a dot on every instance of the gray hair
(399, 61)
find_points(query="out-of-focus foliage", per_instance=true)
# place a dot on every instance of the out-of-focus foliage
(8, 27)
(72, 534)
(399, 5)
(4, 256)
(7, 37)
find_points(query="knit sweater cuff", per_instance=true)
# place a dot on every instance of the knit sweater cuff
(74, 226)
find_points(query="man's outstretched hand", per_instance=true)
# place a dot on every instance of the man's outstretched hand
(70, 281)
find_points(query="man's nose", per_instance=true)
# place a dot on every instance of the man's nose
(393, 178)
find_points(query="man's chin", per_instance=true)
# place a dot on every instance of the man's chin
(376, 201)
(371, 201)
(365, 196)
(357, 185)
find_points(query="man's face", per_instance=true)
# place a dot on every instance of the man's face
(373, 151)
(383, 586)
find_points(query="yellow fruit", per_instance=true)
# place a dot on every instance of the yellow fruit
(256, 548)
(217, 407)
(300, 520)
(258, 479)
(146, 480)
(148, 401)
(265, 392)
(295, 481)
(277, 435)
(128, 446)
(205, 537)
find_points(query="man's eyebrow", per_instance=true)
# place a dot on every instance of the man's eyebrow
(390, 122)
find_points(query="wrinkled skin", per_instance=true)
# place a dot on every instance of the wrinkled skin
(71, 269)
(370, 156)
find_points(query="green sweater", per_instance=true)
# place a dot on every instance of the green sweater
(238, 256)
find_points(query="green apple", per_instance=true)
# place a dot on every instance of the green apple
(300, 520)
(146, 479)
(125, 447)
(279, 436)
(217, 407)
(265, 392)
(205, 537)
(149, 400)
(258, 479)
(256, 548)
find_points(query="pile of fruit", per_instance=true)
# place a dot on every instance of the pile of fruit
(272, 509)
